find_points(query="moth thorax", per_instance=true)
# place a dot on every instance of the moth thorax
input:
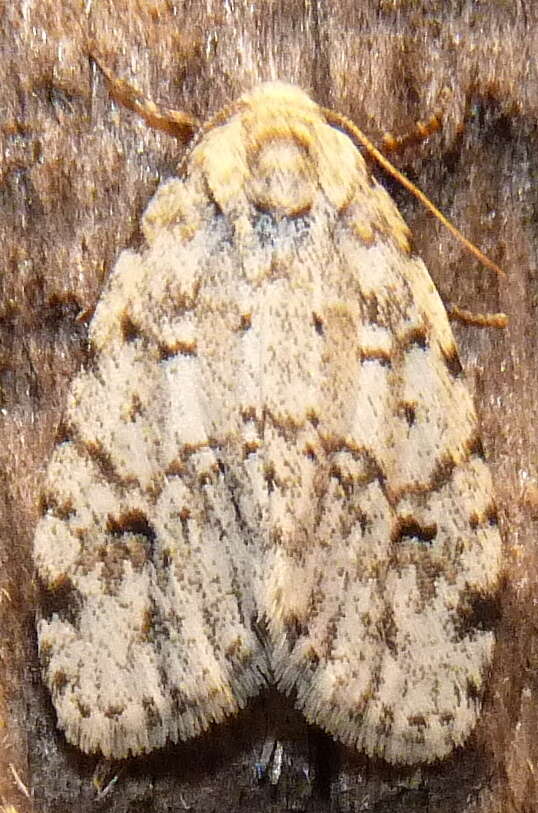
(282, 177)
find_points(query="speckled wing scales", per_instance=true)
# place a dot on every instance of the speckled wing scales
(383, 552)
(274, 432)
(145, 545)
(380, 589)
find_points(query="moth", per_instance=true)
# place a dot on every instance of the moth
(270, 472)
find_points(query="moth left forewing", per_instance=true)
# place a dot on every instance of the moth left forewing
(380, 581)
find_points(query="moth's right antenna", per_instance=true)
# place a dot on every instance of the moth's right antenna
(174, 122)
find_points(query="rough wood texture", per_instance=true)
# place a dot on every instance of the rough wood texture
(76, 175)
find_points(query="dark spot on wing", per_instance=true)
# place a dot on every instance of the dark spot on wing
(477, 611)
(318, 324)
(129, 330)
(452, 361)
(409, 412)
(415, 336)
(131, 522)
(407, 528)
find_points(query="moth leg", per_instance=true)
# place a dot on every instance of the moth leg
(498, 320)
(421, 131)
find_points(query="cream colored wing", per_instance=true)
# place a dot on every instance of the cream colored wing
(384, 554)
(145, 551)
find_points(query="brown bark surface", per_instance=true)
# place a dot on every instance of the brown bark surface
(76, 173)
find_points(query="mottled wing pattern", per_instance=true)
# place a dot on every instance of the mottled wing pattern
(146, 548)
(381, 577)
(382, 549)
(274, 432)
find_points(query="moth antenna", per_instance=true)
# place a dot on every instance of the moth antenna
(173, 122)
(341, 121)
